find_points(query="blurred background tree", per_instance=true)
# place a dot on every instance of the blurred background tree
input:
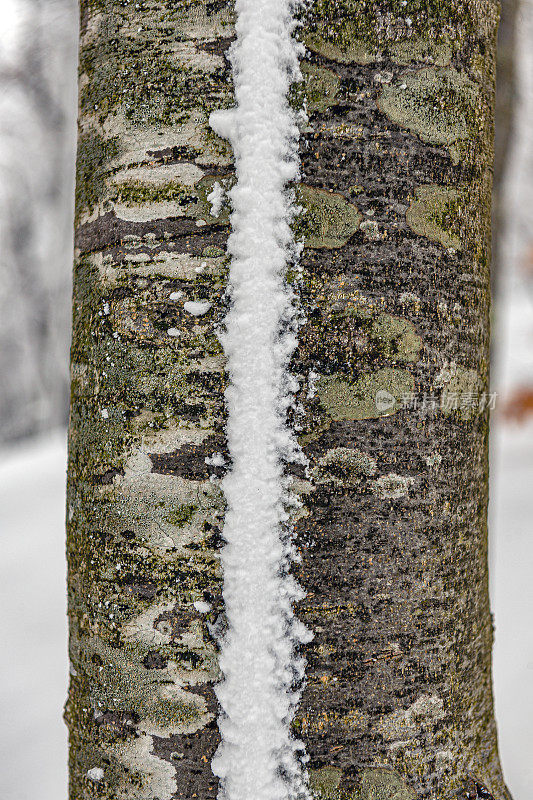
(37, 146)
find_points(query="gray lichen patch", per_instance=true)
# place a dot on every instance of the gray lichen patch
(144, 628)
(162, 263)
(371, 230)
(436, 103)
(165, 193)
(143, 776)
(344, 466)
(433, 212)
(167, 512)
(321, 86)
(142, 201)
(133, 183)
(434, 460)
(328, 219)
(121, 684)
(194, 135)
(376, 394)
(411, 722)
(392, 486)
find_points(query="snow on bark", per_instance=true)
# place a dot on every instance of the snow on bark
(216, 198)
(262, 671)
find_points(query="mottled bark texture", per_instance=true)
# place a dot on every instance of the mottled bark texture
(144, 508)
(393, 535)
(392, 531)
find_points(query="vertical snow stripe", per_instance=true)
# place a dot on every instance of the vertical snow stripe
(257, 758)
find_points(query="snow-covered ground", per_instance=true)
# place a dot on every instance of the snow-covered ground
(33, 626)
(512, 600)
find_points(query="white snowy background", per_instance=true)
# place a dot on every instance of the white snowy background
(37, 110)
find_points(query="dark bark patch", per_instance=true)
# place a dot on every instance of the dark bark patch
(154, 660)
(191, 755)
(109, 230)
(218, 47)
(474, 790)
(106, 477)
(189, 461)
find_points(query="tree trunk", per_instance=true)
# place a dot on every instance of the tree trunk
(397, 178)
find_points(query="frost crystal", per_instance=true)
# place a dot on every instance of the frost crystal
(257, 757)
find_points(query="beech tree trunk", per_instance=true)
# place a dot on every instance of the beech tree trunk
(393, 369)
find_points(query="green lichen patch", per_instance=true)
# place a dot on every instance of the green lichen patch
(211, 251)
(420, 49)
(325, 782)
(321, 87)
(93, 160)
(181, 515)
(399, 336)
(341, 45)
(137, 192)
(328, 220)
(461, 393)
(432, 213)
(377, 394)
(381, 783)
(351, 325)
(392, 486)
(343, 466)
(436, 103)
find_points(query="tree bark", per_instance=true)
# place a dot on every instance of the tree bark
(397, 159)
(394, 539)
(147, 401)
